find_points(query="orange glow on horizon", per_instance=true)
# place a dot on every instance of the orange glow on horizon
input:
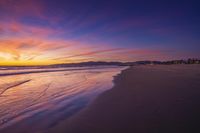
(25, 63)
(25, 45)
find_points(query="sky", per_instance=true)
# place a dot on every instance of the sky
(43, 32)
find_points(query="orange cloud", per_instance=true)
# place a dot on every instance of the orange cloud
(34, 49)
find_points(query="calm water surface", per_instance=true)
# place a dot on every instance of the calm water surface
(37, 101)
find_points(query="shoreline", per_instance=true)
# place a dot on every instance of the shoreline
(149, 98)
(54, 97)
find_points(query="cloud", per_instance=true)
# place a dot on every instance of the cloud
(91, 53)
(33, 48)
(21, 8)
(15, 28)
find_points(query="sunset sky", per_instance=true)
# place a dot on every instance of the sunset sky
(42, 32)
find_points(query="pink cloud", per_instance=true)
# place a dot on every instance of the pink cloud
(19, 29)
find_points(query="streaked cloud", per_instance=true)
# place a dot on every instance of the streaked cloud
(46, 32)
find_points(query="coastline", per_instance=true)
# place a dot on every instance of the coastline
(151, 98)
(41, 101)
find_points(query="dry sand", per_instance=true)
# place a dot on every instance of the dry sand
(145, 99)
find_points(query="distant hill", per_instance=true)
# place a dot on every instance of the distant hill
(103, 63)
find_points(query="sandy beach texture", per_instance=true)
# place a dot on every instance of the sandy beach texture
(145, 99)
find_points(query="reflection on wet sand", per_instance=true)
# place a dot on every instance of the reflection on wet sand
(37, 101)
(5, 87)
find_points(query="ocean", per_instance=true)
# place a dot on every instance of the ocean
(33, 100)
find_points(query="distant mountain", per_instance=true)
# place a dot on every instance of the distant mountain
(103, 63)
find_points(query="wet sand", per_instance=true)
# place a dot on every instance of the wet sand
(145, 99)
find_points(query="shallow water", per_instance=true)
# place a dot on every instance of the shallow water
(31, 102)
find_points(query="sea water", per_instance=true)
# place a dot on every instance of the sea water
(32, 100)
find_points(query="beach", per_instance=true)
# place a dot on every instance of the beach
(144, 99)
